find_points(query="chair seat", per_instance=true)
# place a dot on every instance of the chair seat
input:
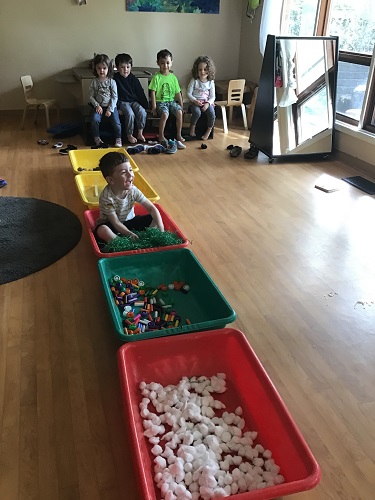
(221, 103)
(41, 102)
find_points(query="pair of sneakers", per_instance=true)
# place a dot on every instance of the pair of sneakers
(171, 146)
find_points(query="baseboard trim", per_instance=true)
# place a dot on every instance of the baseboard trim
(356, 163)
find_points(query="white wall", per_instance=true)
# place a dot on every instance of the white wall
(46, 37)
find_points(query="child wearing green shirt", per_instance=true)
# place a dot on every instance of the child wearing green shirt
(165, 91)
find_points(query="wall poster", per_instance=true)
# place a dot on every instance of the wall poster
(183, 7)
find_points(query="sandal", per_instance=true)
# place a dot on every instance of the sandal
(235, 152)
(43, 142)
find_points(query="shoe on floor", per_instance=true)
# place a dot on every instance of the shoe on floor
(68, 148)
(43, 142)
(252, 153)
(58, 145)
(180, 145)
(172, 147)
(3, 183)
(133, 150)
(155, 150)
(118, 143)
(101, 145)
(235, 152)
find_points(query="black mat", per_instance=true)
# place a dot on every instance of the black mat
(361, 183)
(34, 234)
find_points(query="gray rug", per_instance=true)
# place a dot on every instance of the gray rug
(33, 235)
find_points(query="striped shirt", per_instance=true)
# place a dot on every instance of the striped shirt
(123, 207)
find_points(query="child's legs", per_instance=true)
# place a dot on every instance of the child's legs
(210, 113)
(104, 233)
(176, 110)
(139, 222)
(195, 114)
(96, 118)
(162, 110)
(115, 120)
(140, 115)
(128, 114)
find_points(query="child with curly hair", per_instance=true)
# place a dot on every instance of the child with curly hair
(201, 94)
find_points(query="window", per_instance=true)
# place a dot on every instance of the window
(354, 24)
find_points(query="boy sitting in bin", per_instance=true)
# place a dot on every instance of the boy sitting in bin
(116, 202)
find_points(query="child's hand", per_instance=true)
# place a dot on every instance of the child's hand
(133, 236)
(99, 110)
(108, 113)
(205, 106)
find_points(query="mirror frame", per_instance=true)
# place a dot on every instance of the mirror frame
(262, 129)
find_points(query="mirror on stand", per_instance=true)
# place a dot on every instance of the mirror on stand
(295, 108)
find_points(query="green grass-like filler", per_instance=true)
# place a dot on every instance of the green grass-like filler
(151, 237)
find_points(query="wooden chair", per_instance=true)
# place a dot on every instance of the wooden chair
(235, 98)
(33, 102)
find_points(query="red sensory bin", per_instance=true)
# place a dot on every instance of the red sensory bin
(91, 217)
(166, 360)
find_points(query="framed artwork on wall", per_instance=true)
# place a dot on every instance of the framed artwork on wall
(182, 7)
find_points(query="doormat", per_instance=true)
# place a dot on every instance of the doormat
(361, 183)
(34, 234)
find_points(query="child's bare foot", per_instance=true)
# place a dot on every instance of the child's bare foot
(161, 138)
(141, 138)
(131, 139)
(207, 134)
(180, 138)
(192, 132)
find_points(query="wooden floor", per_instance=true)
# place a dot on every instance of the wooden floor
(295, 263)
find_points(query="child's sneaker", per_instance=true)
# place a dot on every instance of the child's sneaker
(133, 150)
(118, 143)
(155, 150)
(172, 147)
(3, 182)
(180, 145)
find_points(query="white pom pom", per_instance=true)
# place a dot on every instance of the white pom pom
(267, 454)
(157, 450)
(234, 488)
(154, 440)
(279, 479)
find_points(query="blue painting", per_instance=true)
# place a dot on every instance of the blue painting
(185, 7)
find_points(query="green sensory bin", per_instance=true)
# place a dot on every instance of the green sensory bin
(202, 307)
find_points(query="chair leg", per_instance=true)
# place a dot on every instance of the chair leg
(36, 114)
(224, 115)
(23, 118)
(47, 117)
(230, 114)
(243, 108)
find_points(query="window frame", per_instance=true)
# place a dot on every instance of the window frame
(368, 106)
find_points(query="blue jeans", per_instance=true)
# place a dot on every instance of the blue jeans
(196, 112)
(96, 119)
(132, 111)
